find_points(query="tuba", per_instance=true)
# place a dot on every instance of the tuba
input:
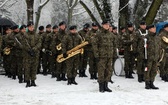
(74, 51)
(58, 47)
(6, 50)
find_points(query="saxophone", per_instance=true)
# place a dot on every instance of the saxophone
(74, 51)
(165, 39)
(7, 50)
(58, 47)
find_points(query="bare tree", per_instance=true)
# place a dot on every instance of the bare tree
(30, 4)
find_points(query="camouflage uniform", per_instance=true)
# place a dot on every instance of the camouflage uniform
(6, 58)
(61, 67)
(70, 41)
(141, 35)
(45, 56)
(163, 66)
(129, 41)
(92, 60)
(152, 60)
(84, 57)
(103, 51)
(33, 42)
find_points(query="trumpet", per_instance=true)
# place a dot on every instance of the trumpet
(74, 51)
(165, 39)
(58, 47)
(7, 50)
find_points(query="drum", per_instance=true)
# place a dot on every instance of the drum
(119, 67)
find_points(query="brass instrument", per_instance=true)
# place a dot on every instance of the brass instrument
(74, 51)
(6, 50)
(162, 53)
(165, 39)
(58, 47)
(131, 38)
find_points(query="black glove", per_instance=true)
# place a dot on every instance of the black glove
(97, 60)
(31, 52)
(65, 55)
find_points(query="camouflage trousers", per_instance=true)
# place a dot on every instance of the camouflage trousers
(52, 64)
(140, 66)
(164, 66)
(92, 63)
(104, 70)
(129, 61)
(7, 64)
(72, 66)
(151, 72)
(31, 64)
(61, 68)
(83, 60)
(45, 62)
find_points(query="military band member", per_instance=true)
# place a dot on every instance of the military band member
(70, 41)
(84, 57)
(152, 58)
(32, 47)
(92, 60)
(141, 34)
(103, 51)
(164, 47)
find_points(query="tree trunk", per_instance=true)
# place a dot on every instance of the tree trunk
(153, 11)
(30, 4)
(124, 17)
(100, 11)
(107, 10)
(89, 12)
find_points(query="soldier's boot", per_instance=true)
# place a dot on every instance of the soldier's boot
(166, 78)
(9, 75)
(130, 75)
(83, 74)
(101, 87)
(53, 75)
(95, 76)
(126, 74)
(91, 76)
(45, 72)
(147, 85)
(63, 77)
(20, 79)
(28, 83)
(106, 87)
(69, 81)
(163, 77)
(111, 81)
(33, 83)
(152, 86)
(73, 81)
(58, 77)
(80, 73)
(143, 78)
(14, 77)
(139, 78)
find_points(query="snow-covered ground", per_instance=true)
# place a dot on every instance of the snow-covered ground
(50, 92)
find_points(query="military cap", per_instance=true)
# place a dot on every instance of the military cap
(166, 25)
(94, 24)
(105, 21)
(22, 26)
(72, 27)
(55, 26)
(150, 26)
(121, 28)
(142, 23)
(15, 27)
(129, 25)
(62, 23)
(114, 27)
(41, 28)
(87, 25)
(30, 24)
(48, 26)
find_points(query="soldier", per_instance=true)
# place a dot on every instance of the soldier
(103, 51)
(164, 44)
(128, 40)
(92, 60)
(52, 58)
(141, 34)
(40, 33)
(70, 41)
(61, 67)
(20, 43)
(32, 47)
(11, 41)
(152, 58)
(45, 47)
(84, 57)
(6, 58)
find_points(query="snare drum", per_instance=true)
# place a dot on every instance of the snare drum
(119, 67)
